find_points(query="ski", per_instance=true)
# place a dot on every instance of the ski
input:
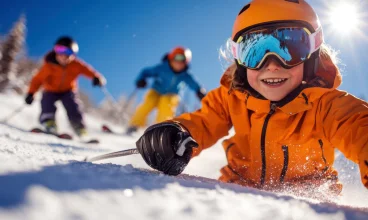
(91, 141)
(112, 155)
(64, 136)
(106, 129)
(61, 136)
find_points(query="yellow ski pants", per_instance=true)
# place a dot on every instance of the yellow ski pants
(166, 107)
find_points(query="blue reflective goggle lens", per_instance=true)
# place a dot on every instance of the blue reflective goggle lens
(292, 46)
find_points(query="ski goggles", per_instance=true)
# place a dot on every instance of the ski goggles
(290, 45)
(59, 49)
(180, 58)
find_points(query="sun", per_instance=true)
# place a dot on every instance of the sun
(344, 18)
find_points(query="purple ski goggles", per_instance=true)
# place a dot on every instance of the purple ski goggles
(59, 49)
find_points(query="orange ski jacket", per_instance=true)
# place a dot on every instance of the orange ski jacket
(276, 146)
(56, 78)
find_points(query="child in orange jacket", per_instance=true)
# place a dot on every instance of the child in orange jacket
(58, 76)
(281, 98)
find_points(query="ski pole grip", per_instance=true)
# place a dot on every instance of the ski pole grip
(186, 143)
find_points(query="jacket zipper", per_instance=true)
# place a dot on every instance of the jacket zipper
(263, 142)
(323, 154)
(62, 78)
(172, 83)
(285, 149)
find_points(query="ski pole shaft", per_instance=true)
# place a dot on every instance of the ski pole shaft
(129, 99)
(14, 113)
(113, 155)
(108, 94)
(125, 116)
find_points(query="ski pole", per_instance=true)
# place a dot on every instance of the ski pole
(126, 104)
(112, 155)
(108, 94)
(129, 99)
(14, 113)
(183, 145)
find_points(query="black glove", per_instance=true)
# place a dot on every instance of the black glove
(29, 98)
(96, 82)
(166, 147)
(141, 83)
(201, 93)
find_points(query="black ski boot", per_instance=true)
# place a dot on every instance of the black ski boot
(49, 126)
(79, 129)
(130, 130)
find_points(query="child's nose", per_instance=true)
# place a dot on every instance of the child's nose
(272, 65)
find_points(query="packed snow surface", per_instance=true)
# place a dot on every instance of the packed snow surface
(42, 177)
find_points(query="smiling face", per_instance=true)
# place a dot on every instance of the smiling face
(178, 66)
(273, 81)
(64, 59)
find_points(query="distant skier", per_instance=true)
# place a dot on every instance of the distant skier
(281, 98)
(163, 95)
(58, 77)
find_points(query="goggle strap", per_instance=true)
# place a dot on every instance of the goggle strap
(316, 40)
(234, 49)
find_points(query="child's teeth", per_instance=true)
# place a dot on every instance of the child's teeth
(273, 80)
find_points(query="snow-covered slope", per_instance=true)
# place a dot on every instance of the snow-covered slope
(41, 178)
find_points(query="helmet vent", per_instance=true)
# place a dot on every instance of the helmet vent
(243, 9)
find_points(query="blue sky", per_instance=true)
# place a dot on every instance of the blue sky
(120, 37)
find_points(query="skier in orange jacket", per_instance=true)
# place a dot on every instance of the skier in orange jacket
(281, 98)
(58, 77)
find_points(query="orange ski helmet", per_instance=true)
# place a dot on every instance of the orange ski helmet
(264, 12)
(186, 54)
(267, 13)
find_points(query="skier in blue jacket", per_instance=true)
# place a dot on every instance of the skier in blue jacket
(169, 77)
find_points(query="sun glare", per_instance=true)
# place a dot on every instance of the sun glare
(344, 18)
